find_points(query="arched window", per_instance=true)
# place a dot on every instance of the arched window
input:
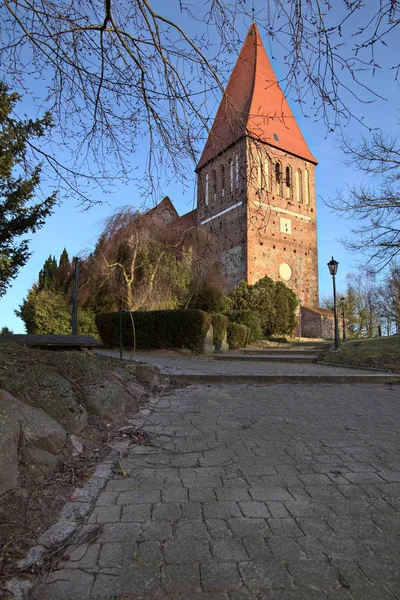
(306, 186)
(278, 178)
(222, 181)
(206, 190)
(214, 186)
(288, 182)
(237, 169)
(230, 163)
(299, 186)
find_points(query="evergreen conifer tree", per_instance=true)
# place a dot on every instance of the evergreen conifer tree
(19, 214)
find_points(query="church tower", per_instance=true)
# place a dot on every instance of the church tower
(256, 186)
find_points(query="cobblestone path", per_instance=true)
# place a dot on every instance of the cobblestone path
(250, 493)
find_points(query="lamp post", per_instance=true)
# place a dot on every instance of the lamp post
(333, 268)
(343, 319)
(299, 319)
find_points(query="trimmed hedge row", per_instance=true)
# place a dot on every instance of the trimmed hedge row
(155, 329)
(237, 335)
(220, 327)
(250, 318)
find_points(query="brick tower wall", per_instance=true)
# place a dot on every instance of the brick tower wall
(225, 215)
(281, 229)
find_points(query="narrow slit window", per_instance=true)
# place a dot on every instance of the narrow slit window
(230, 175)
(306, 186)
(237, 169)
(278, 178)
(222, 181)
(206, 190)
(214, 186)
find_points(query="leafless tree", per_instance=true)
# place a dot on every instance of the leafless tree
(374, 205)
(122, 77)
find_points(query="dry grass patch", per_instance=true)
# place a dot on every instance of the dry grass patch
(376, 353)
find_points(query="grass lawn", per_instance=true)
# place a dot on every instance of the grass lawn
(378, 353)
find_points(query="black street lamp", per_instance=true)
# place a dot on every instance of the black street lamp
(343, 319)
(333, 269)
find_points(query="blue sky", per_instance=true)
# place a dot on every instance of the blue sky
(77, 231)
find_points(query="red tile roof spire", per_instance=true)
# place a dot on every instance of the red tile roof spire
(254, 104)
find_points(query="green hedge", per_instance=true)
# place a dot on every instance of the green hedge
(220, 327)
(237, 335)
(250, 318)
(156, 329)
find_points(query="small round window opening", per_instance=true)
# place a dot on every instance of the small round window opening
(276, 138)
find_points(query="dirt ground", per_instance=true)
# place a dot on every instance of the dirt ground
(30, 508)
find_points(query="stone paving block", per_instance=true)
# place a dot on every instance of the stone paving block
(369, 591)
(353, 525)
(364, 477)
(156, 530)
(186, 551)
(69, 584)
(249, 528)
(106, 514)
(192, 510)
(277, 510)
(135, 513)
(132, 581)
(286, 549)
(228, 550)
(169, 511)
(254, 509)
(352, 491)
(119, 532)
(220, 576)
(324, 492)
(117, 554)
(389, 523)
(107, 498)
(122, 485)
(181, 578)
(202, 495)
(299, 493)
(384, 569)
(187, 529)
(148, 552)
(218, 528)
(309, 508)
(264, 574)
(233, 494)
(313, 574)
(139, 497)
(314, 526)
(84, 556)
(174, 495)
(285, 527)
(221, 510)
(257, 548)
(315, 479)
(263, 494)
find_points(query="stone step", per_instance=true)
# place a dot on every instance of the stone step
(283, 357)
(370, 378)
(279, 352)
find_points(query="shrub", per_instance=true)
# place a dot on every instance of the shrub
(274, 302)
(211, 299)
(237, 335)
(155, 329)
(253, 321)
(6, 331)
(220, 327)
(48, 311)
